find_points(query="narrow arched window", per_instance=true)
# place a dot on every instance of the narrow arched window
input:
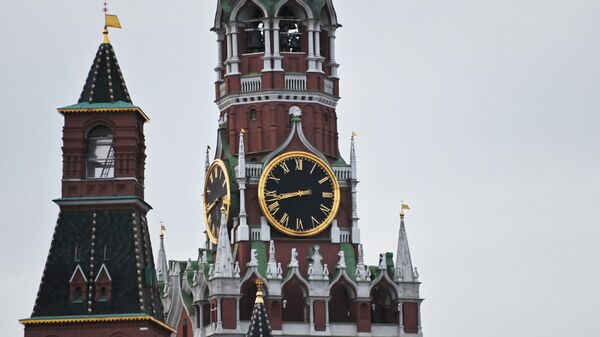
(253, 114)
(103, 293)
(100, 153)
(77, 295)
(289, 29)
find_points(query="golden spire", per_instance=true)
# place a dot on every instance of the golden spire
(259, 293)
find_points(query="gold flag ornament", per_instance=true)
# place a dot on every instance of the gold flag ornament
(403, 207)
(354, 134)
(111, 21)
(163, 229)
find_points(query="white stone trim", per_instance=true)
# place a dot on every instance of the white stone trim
(279, 96)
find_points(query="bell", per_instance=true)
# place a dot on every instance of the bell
(294, 42)
(255, 41)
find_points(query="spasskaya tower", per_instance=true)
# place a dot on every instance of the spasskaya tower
(280, 201)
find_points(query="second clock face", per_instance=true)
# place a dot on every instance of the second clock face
(216, 195)
(299, 194)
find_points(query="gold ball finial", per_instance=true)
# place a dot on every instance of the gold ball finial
(259, 293)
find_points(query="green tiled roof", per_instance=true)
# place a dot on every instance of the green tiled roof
(94, 106)
(348, 250)
(261, 255)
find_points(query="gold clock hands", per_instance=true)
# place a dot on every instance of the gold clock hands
(293, 194)
(211, 205)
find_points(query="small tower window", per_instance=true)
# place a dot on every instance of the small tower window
(100, 155)
(77, 295)
(103, 294)
(253, 114)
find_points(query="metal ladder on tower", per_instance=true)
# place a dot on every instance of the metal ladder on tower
(109, 163)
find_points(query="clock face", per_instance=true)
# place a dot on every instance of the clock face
(299, 194)
(217, 194)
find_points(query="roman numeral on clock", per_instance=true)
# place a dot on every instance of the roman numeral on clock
(284, 167)
(325, 209)
(323, 180)
(299, 224)
(314, 221)
(299, 162)
(328, 195)
(274, 207)
(272, 177)
(285, 219)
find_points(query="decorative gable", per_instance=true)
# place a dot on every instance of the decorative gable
(103, 285)
(77, 286)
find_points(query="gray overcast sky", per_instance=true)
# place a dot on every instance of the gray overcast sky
(484, 115)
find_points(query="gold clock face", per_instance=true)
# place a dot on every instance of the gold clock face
(299, 194)
(217, 194)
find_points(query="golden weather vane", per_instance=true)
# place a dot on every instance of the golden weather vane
(403, 206)
(109, 21)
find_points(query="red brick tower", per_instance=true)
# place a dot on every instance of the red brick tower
(280, 201)
(99, 279)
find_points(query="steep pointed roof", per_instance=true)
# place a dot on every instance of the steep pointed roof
(403, 260)
(162, 268)
(105, 83)
(104, 88)
(259, 324)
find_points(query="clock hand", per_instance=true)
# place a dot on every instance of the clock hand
(293, 194)
(211, 205)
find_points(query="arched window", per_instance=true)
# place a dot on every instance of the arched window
(289, 28)
(103, 294)
(341, 304)
(384, 308)
(253, 114)
(100, 153)
(251, 16)
(184, 328)
(248, 292)
(294, 303)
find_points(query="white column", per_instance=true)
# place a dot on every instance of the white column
(219, 67)
(229, 49)
(318, 57)
(400, 319)
(219, 319)
(276, 47)
(332, 63)
(312, 65)
(311, 313)
(235, 60)
(268, 55)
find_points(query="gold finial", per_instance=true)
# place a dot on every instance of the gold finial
(403, 207)
(259, 293)
(109, 21)
(354, 134)
(105, 39)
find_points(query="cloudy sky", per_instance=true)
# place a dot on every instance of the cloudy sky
(483, 115)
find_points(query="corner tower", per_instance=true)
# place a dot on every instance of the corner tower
(99, 277)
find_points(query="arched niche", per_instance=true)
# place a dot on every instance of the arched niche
(251, 38)
(383, 303)
(292, 28)
(294, 307)
(341, 302)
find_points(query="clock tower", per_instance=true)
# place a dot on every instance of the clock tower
(280, 200)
